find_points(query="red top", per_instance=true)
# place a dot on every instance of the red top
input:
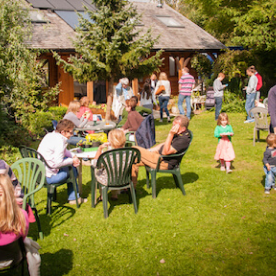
(8, 238)
(83, 109)
(260, 82)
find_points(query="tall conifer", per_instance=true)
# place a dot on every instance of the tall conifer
(109, 47)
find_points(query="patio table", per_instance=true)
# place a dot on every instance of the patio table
(81, 155)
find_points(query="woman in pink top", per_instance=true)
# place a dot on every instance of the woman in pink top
(14, 221)
(84, 102)
(13, 225)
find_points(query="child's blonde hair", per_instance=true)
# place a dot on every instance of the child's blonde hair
(271, 139)
(74, 106)
(12, 218)
(117, 138)
(221, 117)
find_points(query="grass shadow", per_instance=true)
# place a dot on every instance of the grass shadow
(125, 198)
(168, 181)
(58, 263)
(60, 214)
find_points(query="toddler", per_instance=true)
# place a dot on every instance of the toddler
(225, 152)
(270, 163)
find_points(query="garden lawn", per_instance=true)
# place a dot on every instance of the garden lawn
(225, 225)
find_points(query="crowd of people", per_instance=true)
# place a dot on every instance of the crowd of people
(53, 147)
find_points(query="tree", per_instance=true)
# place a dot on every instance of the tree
(20, 78)
(108, 46)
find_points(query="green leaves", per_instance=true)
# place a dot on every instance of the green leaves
(20, 73)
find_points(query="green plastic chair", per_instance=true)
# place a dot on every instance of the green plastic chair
(51, 188)
(175, 172)
(30, 172)
(118, 174)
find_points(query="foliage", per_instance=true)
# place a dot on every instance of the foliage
(20, 74)
(11, 134)
(233, 103)
(225, 225)
(38, 123)
(58, 112)
(256, 28)
(232, 63)
(201, 64)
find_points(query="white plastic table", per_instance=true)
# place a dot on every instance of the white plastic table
(90, 155)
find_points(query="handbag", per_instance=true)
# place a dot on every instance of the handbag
(160, 90)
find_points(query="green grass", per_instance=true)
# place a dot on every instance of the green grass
(224, 225)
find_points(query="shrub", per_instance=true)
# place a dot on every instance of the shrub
(58, 112)
(233, 103)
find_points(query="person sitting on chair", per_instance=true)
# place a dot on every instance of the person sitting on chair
(53, 149)
(14, 225)
(116, 140)
(177, 141)
(134, 119)
(71, 114)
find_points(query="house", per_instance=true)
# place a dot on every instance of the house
(53, 24)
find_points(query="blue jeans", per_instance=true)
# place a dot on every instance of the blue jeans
(218, 101)
(250, 103)
(269, 177)
(61, 176)
(181, 98)
(163, 101)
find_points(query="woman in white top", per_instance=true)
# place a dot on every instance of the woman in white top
(164, 96)
(147, 98)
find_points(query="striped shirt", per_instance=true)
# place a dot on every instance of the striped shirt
(187, 81)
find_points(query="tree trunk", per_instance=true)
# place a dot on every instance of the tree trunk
(109, 99)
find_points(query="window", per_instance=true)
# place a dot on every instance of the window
(172, 66)
(169, 21)
(72, 18)
(37, 17)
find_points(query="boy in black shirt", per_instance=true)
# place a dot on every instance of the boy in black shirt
(269, 161)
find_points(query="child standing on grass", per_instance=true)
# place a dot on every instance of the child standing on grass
(270, 163)
(225, 152)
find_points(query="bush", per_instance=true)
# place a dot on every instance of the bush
(233, 103)
(58, 112)
(40, 122)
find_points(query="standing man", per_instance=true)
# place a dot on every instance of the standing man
(218, 89)
(271, 100)
(259, 83)
(250, 93)
(186, 85)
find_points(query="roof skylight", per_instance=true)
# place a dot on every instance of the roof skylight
(169, 21)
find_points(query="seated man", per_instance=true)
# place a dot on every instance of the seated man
(177, 141)
(53, 149)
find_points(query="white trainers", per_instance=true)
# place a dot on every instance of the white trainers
(169, 119)
(228, 170)
(160, 121)
(249, 121)
(222, 168)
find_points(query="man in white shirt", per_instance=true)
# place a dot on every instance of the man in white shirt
(53, 148)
